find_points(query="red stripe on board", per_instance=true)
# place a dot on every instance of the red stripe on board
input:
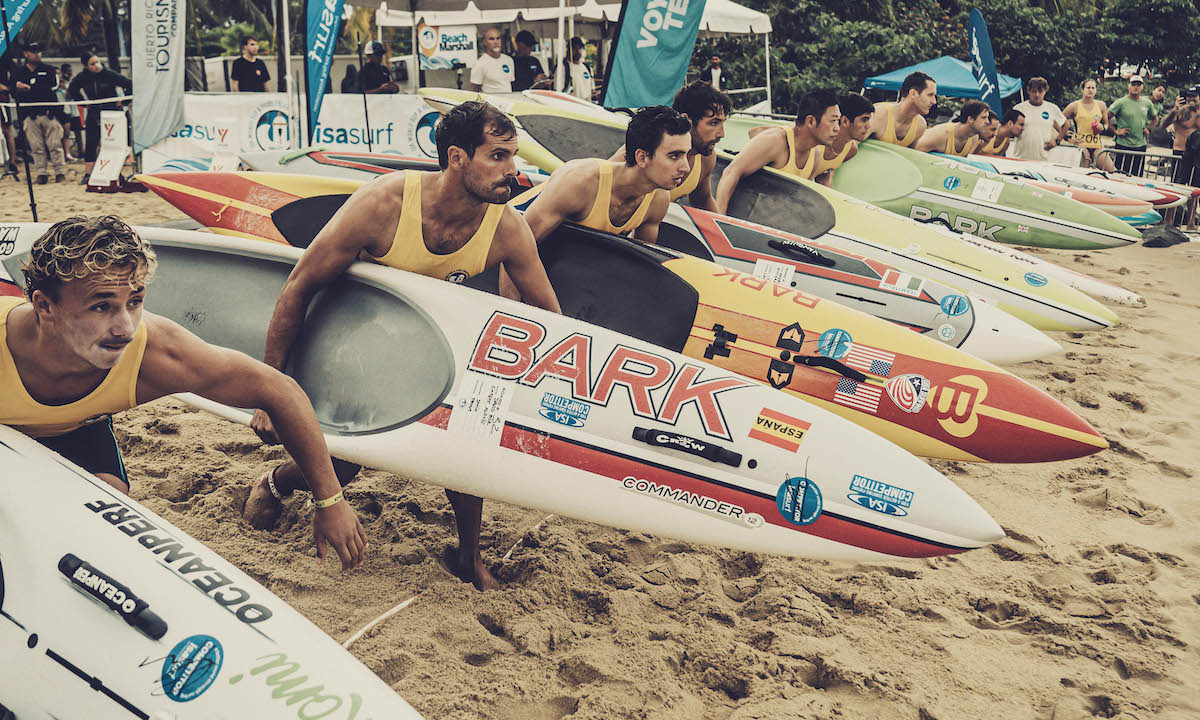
(596, 461)
(778, 442)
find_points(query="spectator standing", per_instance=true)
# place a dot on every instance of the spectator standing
(96, 82)
(249, 74)
(526, 68)
(713, 75)
(350, 81)
(493, 70)
(1157, 97)
(35, 82)
(579, 77)
(1133, 117)
(70, 115)
(376, 78)
(6, 114)
(1045, 124)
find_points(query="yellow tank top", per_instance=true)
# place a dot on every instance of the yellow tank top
(968, 146)
(117, 392)
(824, 166)
(599, 219)
(1084, 137)
(992, 148)
(408, 251)
(889, 129)
(805, 171)
(690, 183)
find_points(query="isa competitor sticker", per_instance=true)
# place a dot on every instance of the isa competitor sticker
(834, 343)
(1035, 279)
(954, 305)
(880, 496)
(799, 501)
(191, 667)
(564, 411)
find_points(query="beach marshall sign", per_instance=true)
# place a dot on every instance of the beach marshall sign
(446, 48)
(651, 54)
(158, 32)
(324, 18)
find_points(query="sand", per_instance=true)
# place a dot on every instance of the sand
(1089, 608)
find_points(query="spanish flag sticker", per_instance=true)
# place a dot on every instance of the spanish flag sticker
(782, 431)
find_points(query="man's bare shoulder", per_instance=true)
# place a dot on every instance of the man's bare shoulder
(576, 176)
(389, 186)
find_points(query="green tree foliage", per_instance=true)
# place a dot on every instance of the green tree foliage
(1160, 35)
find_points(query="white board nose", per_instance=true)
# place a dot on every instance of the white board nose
(1003, 339)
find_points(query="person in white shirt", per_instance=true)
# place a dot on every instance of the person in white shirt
(1045, 124)
(579, 75)
(712, 73)
(493, 71)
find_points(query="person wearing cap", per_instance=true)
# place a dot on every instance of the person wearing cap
(375, 78)
(36, 82)
(1045, 124)
(1132, 117)
(249, 73)
(526, 68)
(578, 74)
(493, 70)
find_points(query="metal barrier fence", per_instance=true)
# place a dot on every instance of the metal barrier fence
(1155, 166)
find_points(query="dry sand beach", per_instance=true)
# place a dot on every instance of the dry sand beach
(1089, 608)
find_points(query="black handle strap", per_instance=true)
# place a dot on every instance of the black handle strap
(829, 364)
(687, 444)
(802, 251)
(112, 593)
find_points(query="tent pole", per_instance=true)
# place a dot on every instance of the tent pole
(560, 80)
(293, 99)
(767, 46)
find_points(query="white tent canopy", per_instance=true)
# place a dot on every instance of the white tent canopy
(720, 16)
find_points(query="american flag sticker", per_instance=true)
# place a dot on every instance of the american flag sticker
(870, 360)
(859, 396)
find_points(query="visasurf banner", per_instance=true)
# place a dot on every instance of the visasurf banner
(158, 33)
(324, 19)
(652, 51)
(983, 62)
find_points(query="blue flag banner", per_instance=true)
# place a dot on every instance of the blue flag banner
(650, 57)
(324, 21)
(983, 62)
(18, 12)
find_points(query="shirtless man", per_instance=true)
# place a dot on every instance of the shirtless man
(958, 138)
(619, 198)
(1091, 119)
(792, 150)
(902, 123)
(451, 224)
(1012, 125)
(853, 128)
(707, 109)
(81, 348)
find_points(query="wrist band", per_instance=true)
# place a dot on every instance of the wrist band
(328, 501)
(271, 484)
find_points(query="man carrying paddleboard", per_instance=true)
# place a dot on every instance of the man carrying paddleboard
(902, 123)
(853, 128)
(1003, 131)
(707, 109)
(1091, 119)
(452, 225)
(1045, 125)
(630, 196)
(958, 138)
(81, 348)
(792, 150)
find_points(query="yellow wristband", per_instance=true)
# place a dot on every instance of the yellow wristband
(327, 502)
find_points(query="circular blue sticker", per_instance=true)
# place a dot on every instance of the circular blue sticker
(191, 667)
(1035, 279)
(952, 182)
(954, 305)
(799, 501)
(834, 343)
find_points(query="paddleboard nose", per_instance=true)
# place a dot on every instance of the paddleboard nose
(1002, 339)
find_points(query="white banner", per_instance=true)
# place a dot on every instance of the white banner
(401, 124)
(114, 148)
(442, 47)
(158, 29)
